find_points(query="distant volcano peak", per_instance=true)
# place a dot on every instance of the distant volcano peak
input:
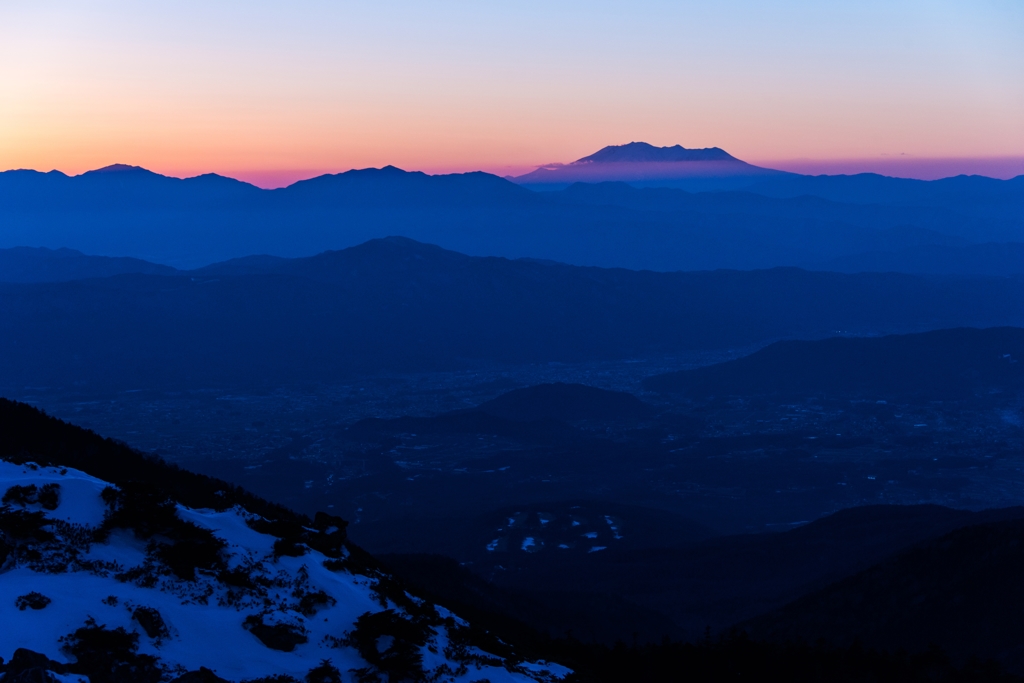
(643, 164)
(642, 151)
(120, 168)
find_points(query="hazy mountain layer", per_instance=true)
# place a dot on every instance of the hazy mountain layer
(27, 264)
(992, 258)
(398, 305)
(128, 211)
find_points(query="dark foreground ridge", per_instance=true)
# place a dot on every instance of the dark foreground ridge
(961, 592)
(140, 506)
(285, 596)
(31, 435)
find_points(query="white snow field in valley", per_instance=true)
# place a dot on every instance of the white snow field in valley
(99, 582)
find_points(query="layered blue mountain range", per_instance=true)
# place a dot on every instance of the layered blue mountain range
(776, 220)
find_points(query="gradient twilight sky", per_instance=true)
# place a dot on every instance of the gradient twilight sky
(275, 91)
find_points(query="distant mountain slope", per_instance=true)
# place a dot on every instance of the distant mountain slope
(938, 364)
(193, 222)
(120, 581)
(975, 259)
(961, 592)
(261, 264)
(27, 264)
(399, 305)
(393, 188)
(891, 227)
(988, 195)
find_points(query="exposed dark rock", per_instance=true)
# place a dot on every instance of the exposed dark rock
(29, 666)
(332, 536)
(151, 622)
(277, 636)
(324, 672)
(286, 547)
(33, 675)
(202, 675)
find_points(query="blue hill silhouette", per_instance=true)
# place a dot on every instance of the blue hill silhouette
(940, 364)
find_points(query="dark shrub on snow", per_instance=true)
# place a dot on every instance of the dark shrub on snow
(287, 547)
(391, 643)
(110, 655)
(182, 546)
(23, 525)
(49, 496)
(20, 495)
(32, 600)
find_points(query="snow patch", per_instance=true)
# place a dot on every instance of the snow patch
(206, 618)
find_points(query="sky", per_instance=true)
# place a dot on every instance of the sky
(272, 92)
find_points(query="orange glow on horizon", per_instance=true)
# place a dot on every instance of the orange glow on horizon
(274, 92)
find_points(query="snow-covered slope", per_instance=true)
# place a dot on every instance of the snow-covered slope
(122, 584)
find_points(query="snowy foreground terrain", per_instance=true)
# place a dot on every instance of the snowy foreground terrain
(114, 584)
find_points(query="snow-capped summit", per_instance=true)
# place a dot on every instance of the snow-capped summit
(120, 583)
